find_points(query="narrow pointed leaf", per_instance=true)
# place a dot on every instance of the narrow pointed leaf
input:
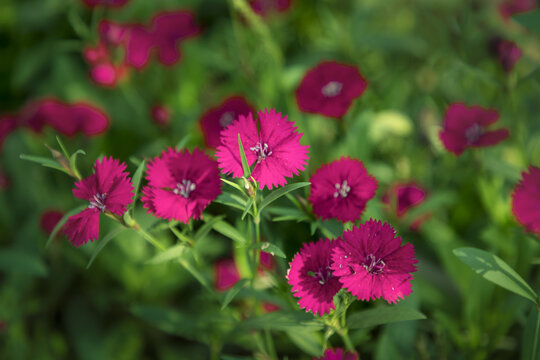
(282, 320)
(137, 177)
(104, 243)
(183, 142)
(494, 269)
(245, 165)
(247, 208)
(73, 161)
(207, 227)
(229, 231)
(383, 315)
(234, 185)
(63, 221)
(229, 296)
(276, 194)
(531, 336)
(47, 162)
(172, 253)
(270, 249)
(64, 150)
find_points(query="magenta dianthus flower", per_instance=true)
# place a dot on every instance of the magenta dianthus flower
(218, 118)
(311, 277)
(226, 274)
(108, 189)
(507, 52)
(181, 184)
(267, 7)
(329, 89)
(276, 149)
(371, 263)
(465, 127)
(526, 200)
(341, 189)
(338, 354)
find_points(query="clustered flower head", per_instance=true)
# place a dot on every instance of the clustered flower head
(108, 189)
(275, 149)
(465, 127)
(526, 200)
(329, 89)
(338, 354)
(181, 184)
(341, 189)
(215, 119)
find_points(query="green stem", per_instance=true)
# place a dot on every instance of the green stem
(270, 345)
(148, 237)
(257, 223)
(344, 333)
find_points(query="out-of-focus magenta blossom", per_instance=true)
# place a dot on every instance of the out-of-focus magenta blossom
(371, 263)
(160, 115)
(215, 119)
(507, 52)
(269, 307)
(275, 149)
(181, 184)
(512, 7)
(466, 127)
(108, 189)
(106, 3)
(526, 200)
(267, 7)
(49, 219)
(311, 277)
(67, 119)
(103, 70)
(341, 189)
(329, 89)
(8, 124)
(402, 197)
(226, 274)
(338, 354)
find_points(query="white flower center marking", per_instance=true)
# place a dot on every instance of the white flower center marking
(184, 188)
(262, 151)
(98, 202)
(373, 265)
(332, 89)
(226, 119)
(473, 133)
(342, 190)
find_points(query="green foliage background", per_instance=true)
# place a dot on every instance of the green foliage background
(418, 56)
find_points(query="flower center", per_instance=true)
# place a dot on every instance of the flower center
(262, 151)
(373, 265)
(323, 275)
(473, 133)
(342, 189)
(184, 188)
(98, 202)
(332, 89)
(226, 119)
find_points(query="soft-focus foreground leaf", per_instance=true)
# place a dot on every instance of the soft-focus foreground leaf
(531, 336)
(229, 296)
(383, 315)
(281, 320)
(276, 194)
(308, 341)
(44, 162)
(102, 243)
(529, 20)
(19, 261)
(270, 249)
(494, 269)
(172, 253)
(205, 229)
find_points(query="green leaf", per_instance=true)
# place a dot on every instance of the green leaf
(229, 231)
(229, 296)
(287, 214)
(62, 222)
(282, 320)
(183, 142)
(73, 161)
(270, 249)
(137, 177)
(247, 209)
(531, 336)
(308, 341)
(234, 185)
(276, 194)
(44, 162)
(62, 147)
(383, 315)
(104, 243)
(172, 253)
(245, 165)
(231, 200)
(187, 263)
(432, 203)
(23, 262)
(529, 20)
(494, 269)
(205, 229)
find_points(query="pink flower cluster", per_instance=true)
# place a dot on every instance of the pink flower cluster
(67, 119)
(369, 261)
(138, 43)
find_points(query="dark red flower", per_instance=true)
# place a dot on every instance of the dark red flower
(465, 127)
(49, 219)
(338, 354)
(269, 307)
(160, 115)
(403, 197)
(226, 274)
(329, 89)
(215, 119)
(8, 124)
(512, 7)
(267, 7)
(507, 52)
(526, 200)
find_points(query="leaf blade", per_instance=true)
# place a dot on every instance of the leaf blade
(274, 195)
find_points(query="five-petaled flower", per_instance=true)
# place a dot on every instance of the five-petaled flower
(402, 197)
(275, 149)
(181, 184)
(108, 189)
(466, 127)
(311, 277)
(338, 354)
(329, 89)
(341, 189)
(526, 200)
(371, 263)
(218, 118)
